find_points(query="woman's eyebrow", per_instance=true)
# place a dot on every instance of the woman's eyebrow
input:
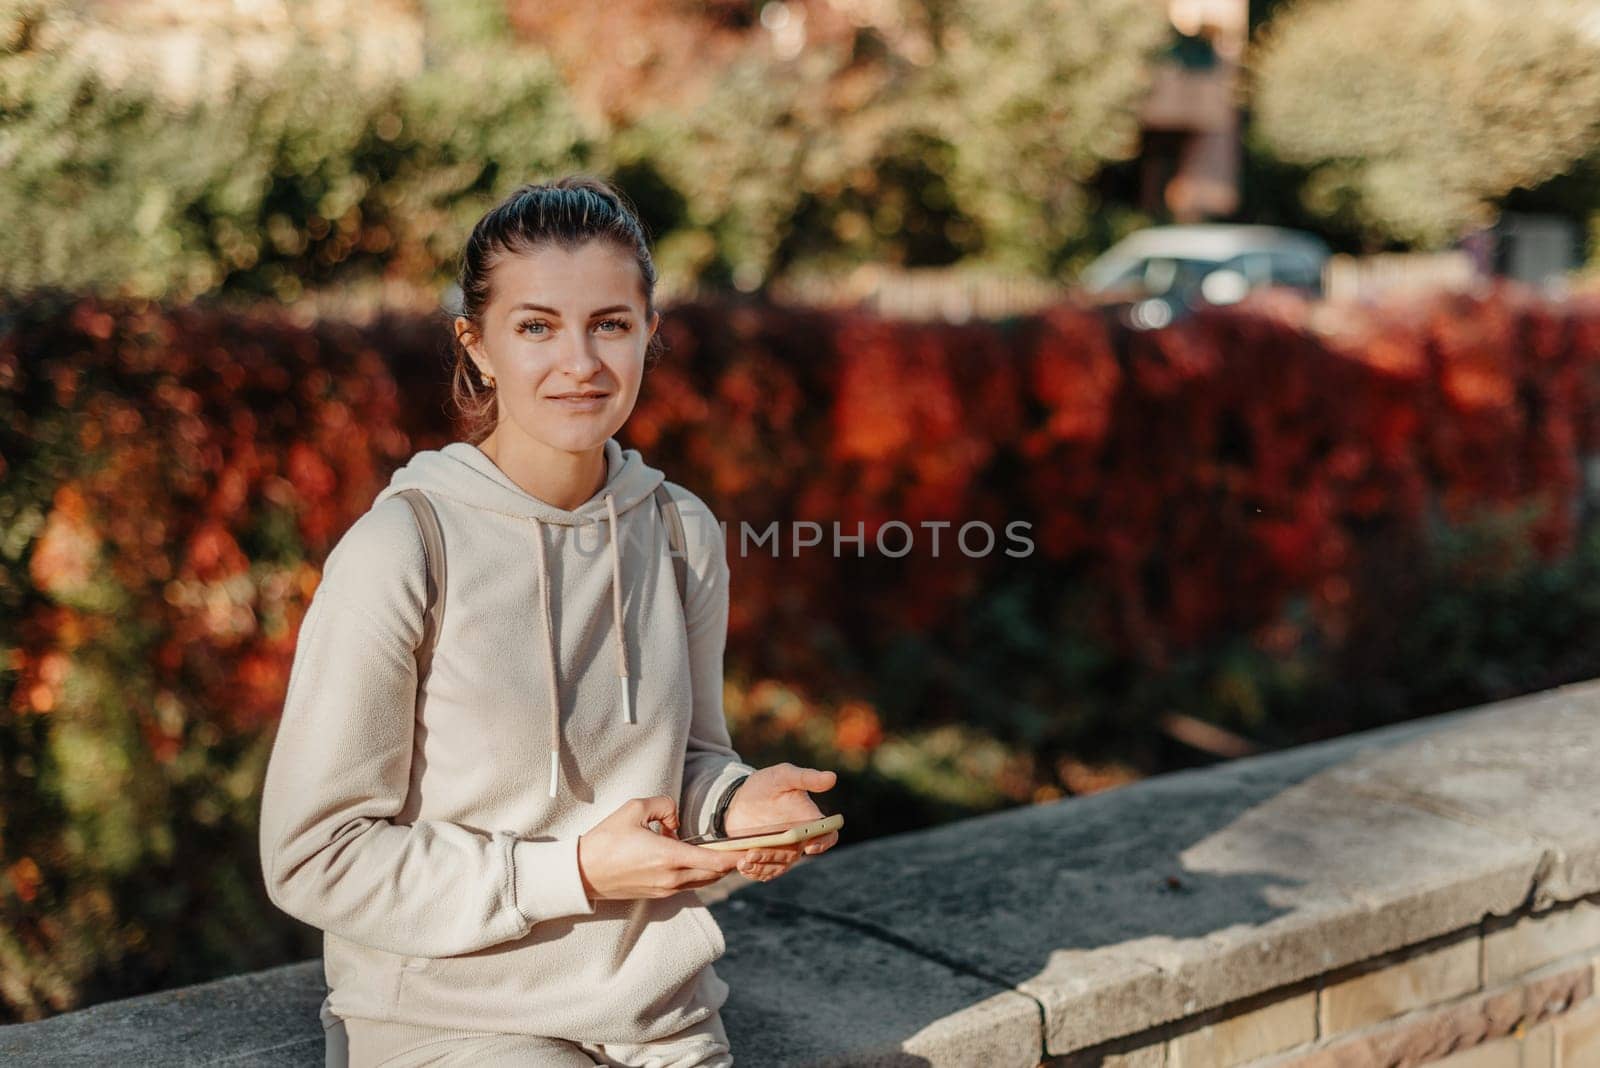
(598, 311)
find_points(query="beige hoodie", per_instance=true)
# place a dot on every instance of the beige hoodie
(420, 827)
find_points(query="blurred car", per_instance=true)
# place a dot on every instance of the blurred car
(1156, 276)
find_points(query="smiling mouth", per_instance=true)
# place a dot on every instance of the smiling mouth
(589, 395)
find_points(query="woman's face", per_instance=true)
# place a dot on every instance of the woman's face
(558, 323)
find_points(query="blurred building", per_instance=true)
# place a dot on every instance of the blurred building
(1190, 155)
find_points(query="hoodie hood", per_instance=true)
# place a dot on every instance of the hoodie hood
(462, 472)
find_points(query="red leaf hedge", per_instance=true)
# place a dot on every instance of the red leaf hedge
(171, 479)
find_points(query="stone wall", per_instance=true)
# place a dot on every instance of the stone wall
(1426, 893)
(1510, 992)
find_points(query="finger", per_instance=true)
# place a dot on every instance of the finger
(816, 780)
(767, 854)
(819, 845)
(769, 860)
(754, 857)
(761, 871)
(697, 881)
(762, 876)
(698, 858)
(808, 779)
(660, 807)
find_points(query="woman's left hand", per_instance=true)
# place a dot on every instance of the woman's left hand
(778, 794)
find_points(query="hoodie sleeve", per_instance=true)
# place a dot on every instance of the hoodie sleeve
(340, 768)
(710, 763)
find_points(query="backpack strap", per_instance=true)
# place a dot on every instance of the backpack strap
(433, 549)
(675, 541)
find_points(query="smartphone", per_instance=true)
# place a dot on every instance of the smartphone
(771, 835)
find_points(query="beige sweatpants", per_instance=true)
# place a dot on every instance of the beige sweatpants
(353, 1042)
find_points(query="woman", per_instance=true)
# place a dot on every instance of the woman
(483, 903)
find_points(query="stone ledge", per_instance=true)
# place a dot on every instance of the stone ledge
(1123, 910)
(1042, 931)
(258, 1019)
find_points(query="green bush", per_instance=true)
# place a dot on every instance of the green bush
(294, 180)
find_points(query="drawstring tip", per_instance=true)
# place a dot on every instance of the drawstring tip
(555, 771)
(627, 701)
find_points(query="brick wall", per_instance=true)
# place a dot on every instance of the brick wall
(1512, 992)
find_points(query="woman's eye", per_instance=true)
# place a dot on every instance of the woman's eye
(621, 325)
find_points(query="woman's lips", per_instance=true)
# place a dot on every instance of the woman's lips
(582, 404)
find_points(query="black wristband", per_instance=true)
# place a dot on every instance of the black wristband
(717, 827)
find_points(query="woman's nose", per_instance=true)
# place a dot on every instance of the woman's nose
(579, 359)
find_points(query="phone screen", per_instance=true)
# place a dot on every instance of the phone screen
(753, 832)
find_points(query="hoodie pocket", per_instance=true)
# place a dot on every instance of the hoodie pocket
(362, 981)
(708, 925)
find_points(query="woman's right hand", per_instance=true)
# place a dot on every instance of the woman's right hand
(621, 858)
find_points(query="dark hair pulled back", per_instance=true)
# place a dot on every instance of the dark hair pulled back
(567, 213)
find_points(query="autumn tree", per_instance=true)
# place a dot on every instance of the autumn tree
(1418, 118)
(906, 130)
